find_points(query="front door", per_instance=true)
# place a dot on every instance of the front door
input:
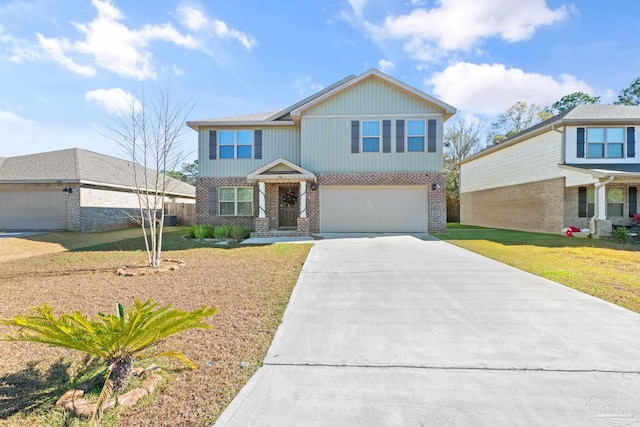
(288, 207)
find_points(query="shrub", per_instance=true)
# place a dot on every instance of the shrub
(115, 338)
(221, 231)
(237, 232)
(198, 231)
(620, 234)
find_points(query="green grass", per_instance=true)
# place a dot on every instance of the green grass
(602, 268)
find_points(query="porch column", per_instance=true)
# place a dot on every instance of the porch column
(262, 200)
(303, 199)
(600, 202)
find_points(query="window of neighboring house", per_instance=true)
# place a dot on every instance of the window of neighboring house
(235, 144)
(236, 201)
(415, 135)
(605, 143)
(371, 137)
(590, 202)
(615, 202)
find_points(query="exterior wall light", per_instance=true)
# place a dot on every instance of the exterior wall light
(435, 186)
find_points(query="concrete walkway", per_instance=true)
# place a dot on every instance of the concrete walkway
(399, 331)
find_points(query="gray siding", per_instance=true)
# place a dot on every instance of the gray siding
(276, 142)
(373, 96)
(327, 148)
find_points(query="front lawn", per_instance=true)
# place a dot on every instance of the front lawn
(601, 268)
(250, 286)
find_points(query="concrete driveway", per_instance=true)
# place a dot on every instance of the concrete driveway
(398, 331)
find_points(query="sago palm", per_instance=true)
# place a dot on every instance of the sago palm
(116, 338)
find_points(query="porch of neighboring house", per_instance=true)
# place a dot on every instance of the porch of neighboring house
(608, 203)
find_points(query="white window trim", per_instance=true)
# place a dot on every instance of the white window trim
(605, 143)
(362, 137)
(235, 200)
(235, 144)
(406, 136)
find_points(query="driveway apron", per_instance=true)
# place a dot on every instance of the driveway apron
(398, 331)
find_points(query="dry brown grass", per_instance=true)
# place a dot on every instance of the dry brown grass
(249, 285)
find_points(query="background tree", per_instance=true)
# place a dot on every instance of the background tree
(187, 173)
(149, 134)
(630, 95)
(567, 102)
(461, 139)
(515, 119)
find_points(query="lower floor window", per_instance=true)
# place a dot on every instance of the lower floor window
(236, 201)
(615, 202)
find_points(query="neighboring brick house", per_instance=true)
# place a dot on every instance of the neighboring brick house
(363, 155)
(73, 189)
(578, 168)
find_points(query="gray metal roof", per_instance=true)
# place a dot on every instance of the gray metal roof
(76, 165)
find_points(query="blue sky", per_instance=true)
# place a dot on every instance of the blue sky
(66, 66)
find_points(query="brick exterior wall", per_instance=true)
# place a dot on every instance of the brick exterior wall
(537, 206)
(436, 209)
(571, 208)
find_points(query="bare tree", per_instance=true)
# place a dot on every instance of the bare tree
(515, 119)
(461, 139)
(149, 135)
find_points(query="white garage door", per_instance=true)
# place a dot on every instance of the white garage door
(32, 210)
(373, 209)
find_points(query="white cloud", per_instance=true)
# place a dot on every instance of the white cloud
(113, 100)
(385, 65)
(306, 86)
(358, 6)
(108, 43)
(490, 89)
(460, 25)
(196, 20)
(8, 118)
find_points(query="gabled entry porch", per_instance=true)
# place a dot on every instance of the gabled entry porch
(282, 199)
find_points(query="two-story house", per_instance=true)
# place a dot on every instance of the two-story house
(578, 168)
(362, 155)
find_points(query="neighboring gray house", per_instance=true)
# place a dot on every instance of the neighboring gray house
(363, 155)
(72, 189)
(579, 168)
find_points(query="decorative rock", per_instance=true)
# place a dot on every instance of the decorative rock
(149, 369)
(245, 365)
(70, 396)
(138, 371)
(151, 382)
(131, 397)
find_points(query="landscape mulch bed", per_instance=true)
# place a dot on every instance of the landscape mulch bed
(250, 286)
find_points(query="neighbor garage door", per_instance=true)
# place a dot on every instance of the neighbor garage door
(373, 209)
(32, 210)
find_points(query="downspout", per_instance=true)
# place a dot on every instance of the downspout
(597, 186)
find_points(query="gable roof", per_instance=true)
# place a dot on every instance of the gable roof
(279, 170)
(584, 114)
(448, 110)
(76, 165)
(291, 114)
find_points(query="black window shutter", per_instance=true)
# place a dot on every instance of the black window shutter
(355, 136)
(580, 146)
(386, 136)
(399, 136)
(431, 136)
(582, 202)
(633, 201)
(213, 199)
(257, 144)
(213, 147)
(631, 142)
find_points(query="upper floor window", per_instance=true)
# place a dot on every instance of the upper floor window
(371, 137)
(605, 143)
(235, 144)
(415, 135)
